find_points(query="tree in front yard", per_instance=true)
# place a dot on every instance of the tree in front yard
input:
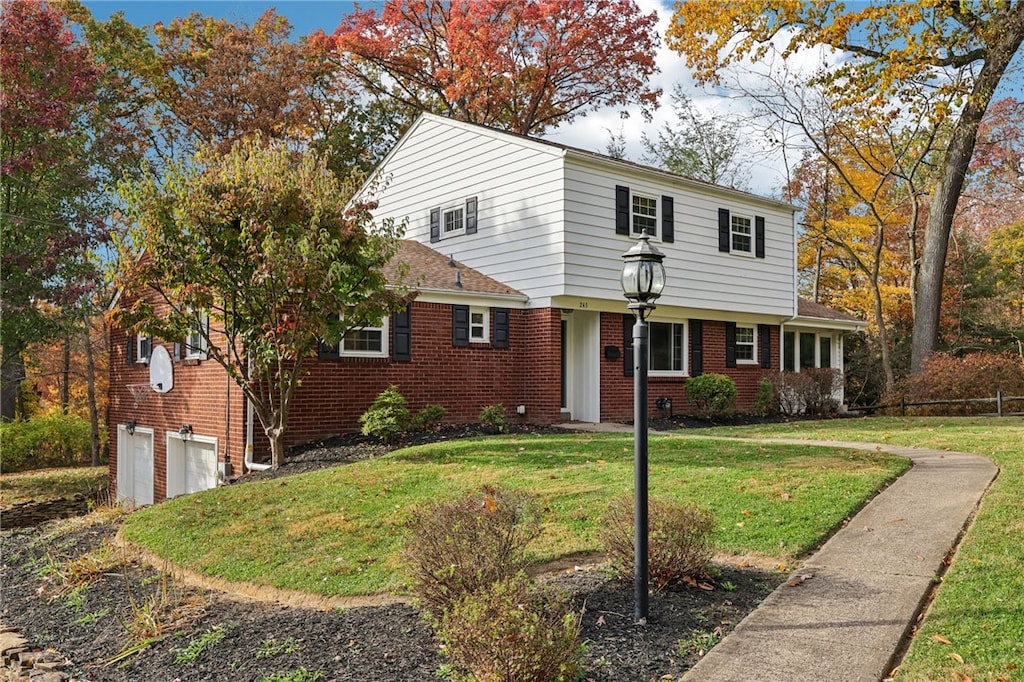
(261, 253)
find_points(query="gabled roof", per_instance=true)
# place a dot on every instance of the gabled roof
(540, 144)
(432, 271)
(808, 311)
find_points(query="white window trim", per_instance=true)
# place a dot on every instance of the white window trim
(385, 350)
(199, 352)
(445, 212)
(139, 357)
(656, 233)
(754, 344)
(684, 372)
(733, 233)
(486, 324)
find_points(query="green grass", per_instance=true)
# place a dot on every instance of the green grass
(50, 484)
(980, 607)
(339, 531)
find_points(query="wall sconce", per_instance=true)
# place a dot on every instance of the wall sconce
(130, 427)
(185, 431)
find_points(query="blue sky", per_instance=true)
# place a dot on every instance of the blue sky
(305, 16)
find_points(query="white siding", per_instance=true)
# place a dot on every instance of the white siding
(699, 276)
(518, 185)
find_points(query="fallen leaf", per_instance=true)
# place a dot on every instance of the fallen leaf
(785, 496)
(799, 579)
(706, 586)
(965, 678)
(600, 621)
(957, 657)
(747, 512)
(940, 639)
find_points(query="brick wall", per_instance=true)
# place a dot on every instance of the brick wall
(617, 389)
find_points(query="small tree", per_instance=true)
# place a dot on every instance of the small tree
(261, 242)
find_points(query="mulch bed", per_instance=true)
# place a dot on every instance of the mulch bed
(367, 643)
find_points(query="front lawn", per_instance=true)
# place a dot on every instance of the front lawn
(339, 531)
(975, 627)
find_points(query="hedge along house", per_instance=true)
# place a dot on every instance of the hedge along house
(514, 250)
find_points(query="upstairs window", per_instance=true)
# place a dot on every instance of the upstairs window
(143, 348)
(644, 214)
(196, 343)
(741, 234)
(454, 222)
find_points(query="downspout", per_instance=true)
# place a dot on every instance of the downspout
(250, 413)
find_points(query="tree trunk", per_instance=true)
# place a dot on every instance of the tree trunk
(65, 377)
(90, 383)
(12, 371)
(947, 192)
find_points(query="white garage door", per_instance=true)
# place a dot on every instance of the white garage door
(191, 464)
(135, 466)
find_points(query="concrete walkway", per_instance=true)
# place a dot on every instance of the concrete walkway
(870, 580)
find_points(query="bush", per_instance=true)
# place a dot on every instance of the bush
(712, 395)
(679, 540)
(427, 418)
(51, 440)
(513, 630)
(809, 391)
(459, 547)
(493, 417)
(978, 375)
(388, 417)
(764, 402)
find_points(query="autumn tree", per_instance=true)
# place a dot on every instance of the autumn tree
(959, 50)
(58, 146)
(262, 243)
(518, 66)
(708, 147)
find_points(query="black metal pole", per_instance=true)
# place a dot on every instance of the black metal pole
(640, 557)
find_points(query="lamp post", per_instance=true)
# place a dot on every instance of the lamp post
(643, 279)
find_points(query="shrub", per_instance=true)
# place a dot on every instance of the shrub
(51, 440)
(388, 417)
(513, 630)
(712, 395)
(458, 547)
(764, 402)
(493, 417)
(809, 391)
(429, 417)
(679, 540)
(978, 375)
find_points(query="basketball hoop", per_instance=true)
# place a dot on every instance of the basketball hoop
(139, 392)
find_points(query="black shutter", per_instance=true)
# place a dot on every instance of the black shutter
(471, 215)
(764, 333)
(730, 344)
(435, 225)
(696, 348)
(621, 210)
(401, 335)
(500, 317)
(129, 355)
(627, 345)
(460, 325)
(759, 236)
(326, 351)
(668, 230)
(724, 229)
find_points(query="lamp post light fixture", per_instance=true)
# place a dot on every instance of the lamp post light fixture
(643, 279)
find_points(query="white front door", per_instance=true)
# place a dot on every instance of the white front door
(135, 466)
(581, 365)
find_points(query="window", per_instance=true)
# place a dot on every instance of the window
(453, 222)
(741, 235)
(478, 325)
(644, 214)
(195, 342)
(745, 344)
(361, 342)
(806, 350)
(666, 344)
(143, 348)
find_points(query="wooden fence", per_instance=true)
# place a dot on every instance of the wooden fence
(1001, 402)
